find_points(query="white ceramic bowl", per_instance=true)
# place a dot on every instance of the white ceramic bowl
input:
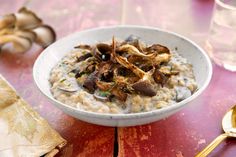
(188, 49)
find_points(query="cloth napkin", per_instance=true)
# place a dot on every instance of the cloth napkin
(23, 132)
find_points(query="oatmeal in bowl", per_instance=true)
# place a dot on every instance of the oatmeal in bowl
(124, 81)
(122, 76)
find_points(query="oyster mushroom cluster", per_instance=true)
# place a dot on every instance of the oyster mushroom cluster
(22, 29)
(118, 69)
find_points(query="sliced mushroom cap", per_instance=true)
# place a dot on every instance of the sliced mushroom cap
(159, 77)
(103, 48)
(157, 48)
(102, 51)
(45, 35)
(20, 44)
(144, 87)
(7, 21)
(132, 50)
(90, 82)
(26, 19)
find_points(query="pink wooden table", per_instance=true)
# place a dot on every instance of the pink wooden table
(183, 134)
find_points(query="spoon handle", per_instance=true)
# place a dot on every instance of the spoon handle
(212, 145)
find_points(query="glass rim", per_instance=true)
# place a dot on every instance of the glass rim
(225, 5)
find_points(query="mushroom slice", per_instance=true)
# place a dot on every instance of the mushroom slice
(45, 35)
(144, 87)
(7, 21)
(103, 48)
(27, 19)
(20, 44)
(123, 61)
(157, 48)
(159, 58)
(90, 82)
(159, 77)
(133, 50)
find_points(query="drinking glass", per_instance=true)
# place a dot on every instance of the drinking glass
(221, 41)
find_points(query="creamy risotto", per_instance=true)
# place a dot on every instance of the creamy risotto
(122, 77)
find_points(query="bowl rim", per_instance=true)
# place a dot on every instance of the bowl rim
(164, 110)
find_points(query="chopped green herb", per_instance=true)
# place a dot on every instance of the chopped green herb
(104, 93)
(62, 80)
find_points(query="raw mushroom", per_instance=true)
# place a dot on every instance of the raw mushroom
(7, 21)
(20, 44)
(22, 29)
(26, 34)
(26, 19)
(45, 35)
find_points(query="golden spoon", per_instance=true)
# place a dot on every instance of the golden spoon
(229, 127)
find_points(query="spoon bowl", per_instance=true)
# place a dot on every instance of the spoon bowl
(229, 127)
(229, 122)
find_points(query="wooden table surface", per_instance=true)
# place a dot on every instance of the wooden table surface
(183, 134)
